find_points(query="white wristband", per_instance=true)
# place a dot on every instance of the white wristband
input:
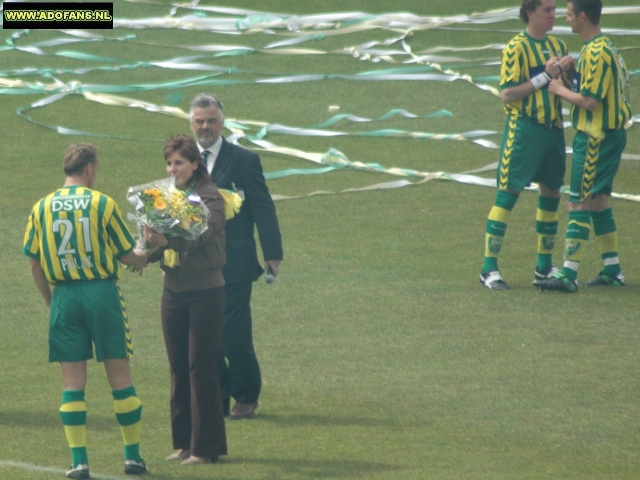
(540, 80)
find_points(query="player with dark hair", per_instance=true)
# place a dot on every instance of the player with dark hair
(600, 99)
(533, 148)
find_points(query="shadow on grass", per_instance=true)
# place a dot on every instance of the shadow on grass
(52, 419)
(316, 468)
(328, 420)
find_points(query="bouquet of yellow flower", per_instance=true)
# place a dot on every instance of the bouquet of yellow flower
(167, 209)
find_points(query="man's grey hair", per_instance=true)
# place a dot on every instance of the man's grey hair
(205, 100)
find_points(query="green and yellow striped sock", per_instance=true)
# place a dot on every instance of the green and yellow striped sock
(546, 229)
(606, 233)
(128, 408)
(576, 241)
(497, 228)
(73, 413)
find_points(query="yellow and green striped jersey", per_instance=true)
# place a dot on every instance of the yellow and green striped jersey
(522, 59)
(77, 234)
(602, 75)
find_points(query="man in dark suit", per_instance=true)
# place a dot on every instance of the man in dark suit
(235, 168)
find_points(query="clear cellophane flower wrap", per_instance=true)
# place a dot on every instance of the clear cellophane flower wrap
(168, 210)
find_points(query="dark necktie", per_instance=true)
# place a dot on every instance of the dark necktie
(205, 157)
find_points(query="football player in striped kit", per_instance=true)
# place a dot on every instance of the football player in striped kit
(533, 148)
(600, 109)
(76, 239)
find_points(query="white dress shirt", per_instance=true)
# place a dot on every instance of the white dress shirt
(214, 150)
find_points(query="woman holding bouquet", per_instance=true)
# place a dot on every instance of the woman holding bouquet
(192, 311)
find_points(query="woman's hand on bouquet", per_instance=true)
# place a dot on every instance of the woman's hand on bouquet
(155, 238)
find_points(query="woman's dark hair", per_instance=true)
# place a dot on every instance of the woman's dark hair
(187, 148)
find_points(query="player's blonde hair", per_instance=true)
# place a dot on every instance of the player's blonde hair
(77, 157)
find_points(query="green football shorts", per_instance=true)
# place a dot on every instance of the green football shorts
(84, 314)
(595, 163)
(531, 152)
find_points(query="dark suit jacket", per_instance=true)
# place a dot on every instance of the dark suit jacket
(239, 169)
